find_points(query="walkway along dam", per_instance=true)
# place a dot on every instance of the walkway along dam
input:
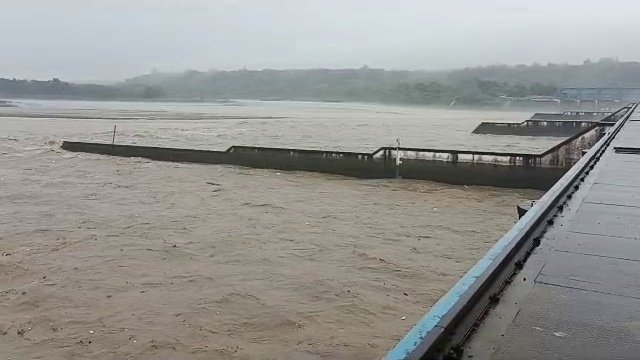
(563, 282)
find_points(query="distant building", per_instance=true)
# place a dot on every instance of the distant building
(600, 94)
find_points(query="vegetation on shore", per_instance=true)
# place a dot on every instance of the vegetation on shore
(471, 86)
(57, 89)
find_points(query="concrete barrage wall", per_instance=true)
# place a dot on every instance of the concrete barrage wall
(567, 153)
(555, 128)
(510, 170)
(332, 162)
(572, 115)
(561, 125)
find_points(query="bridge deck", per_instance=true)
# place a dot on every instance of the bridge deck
(578, 296)
(563, 283)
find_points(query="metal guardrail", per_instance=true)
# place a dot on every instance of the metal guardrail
(441, 333)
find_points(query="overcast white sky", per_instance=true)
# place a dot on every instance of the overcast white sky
(116, 39)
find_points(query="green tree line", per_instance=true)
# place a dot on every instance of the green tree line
(57, 89)
(479, 85)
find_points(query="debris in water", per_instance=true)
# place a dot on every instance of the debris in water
(559, 334)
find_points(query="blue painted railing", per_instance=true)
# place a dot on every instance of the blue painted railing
(429, 337)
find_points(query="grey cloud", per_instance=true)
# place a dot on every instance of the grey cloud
(90, 40)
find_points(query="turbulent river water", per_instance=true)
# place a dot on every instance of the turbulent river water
(114, 258)
(351, 127)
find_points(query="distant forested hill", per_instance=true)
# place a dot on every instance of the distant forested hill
(362, 84)
(57, 89)
(605, 72)
(473, 86)
(470, 85)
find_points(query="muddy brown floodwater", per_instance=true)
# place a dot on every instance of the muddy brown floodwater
(117, 258)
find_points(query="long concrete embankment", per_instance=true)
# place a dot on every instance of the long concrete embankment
(510, 170)
(577, 115)
(555, 128)
(559, 125)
